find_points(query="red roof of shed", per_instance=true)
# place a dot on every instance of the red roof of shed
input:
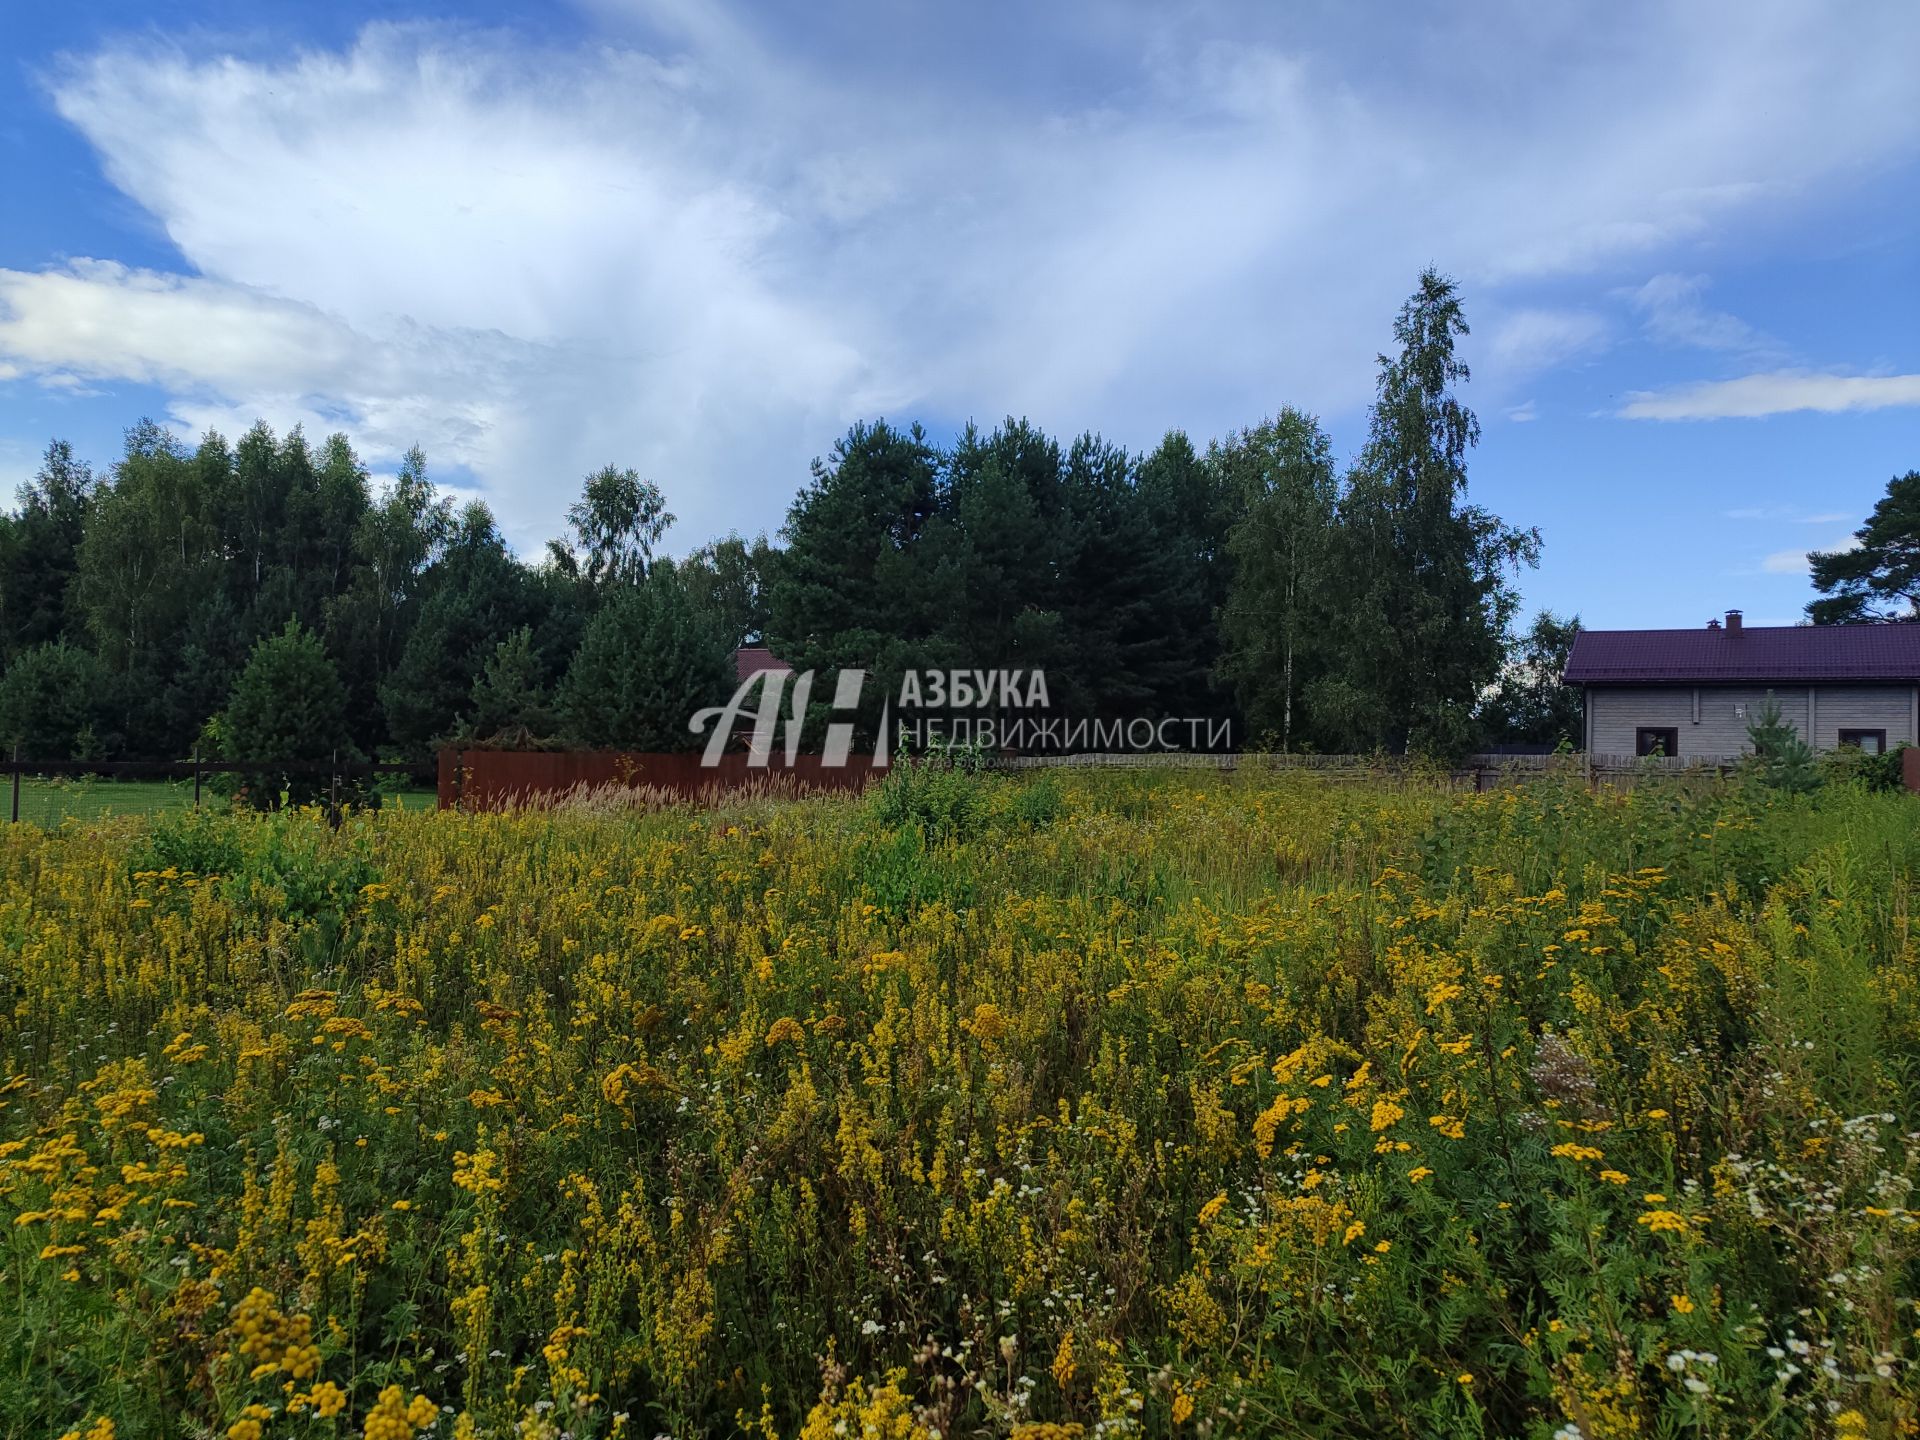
(750, 660)
(1870, 654)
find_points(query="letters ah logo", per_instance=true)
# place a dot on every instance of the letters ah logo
(727, 719)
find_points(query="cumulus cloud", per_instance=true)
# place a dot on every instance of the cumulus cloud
(701, 247)
(1779, 392)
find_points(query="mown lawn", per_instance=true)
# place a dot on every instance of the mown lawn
(1094, 1104)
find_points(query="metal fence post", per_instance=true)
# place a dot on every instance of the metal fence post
(196, 777)
(333, 790)
(16, 783)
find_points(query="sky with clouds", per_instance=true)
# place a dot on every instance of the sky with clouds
(702, 238)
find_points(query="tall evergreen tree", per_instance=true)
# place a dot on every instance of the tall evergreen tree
(850, 589)
(287, 705)
(1191, 506)
(1000, 551)
(395, 544)
(1127, 595)
(53, 705)
(478, 594)
(510, 704)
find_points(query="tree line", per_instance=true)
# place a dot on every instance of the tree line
(264, 600)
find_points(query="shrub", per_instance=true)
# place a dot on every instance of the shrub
(287, 706)
(51, 704)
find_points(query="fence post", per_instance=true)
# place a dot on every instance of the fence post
(196, 777)
(333, 790)
(16, 783)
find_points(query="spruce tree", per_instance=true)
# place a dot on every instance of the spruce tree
(648, 661)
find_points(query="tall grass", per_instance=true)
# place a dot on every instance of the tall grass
(1091, 1103)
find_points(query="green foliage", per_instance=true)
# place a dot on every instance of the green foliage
(396, 547)
(1369, 613)
(51, 704)
(1383, 1109)
(1426, 600)
(510, 703)
(852, 590)
(1879, 578)
(730, 579)
(1191, 506)
(1530, 703)
(1781, 759)
(288, 704)
(943, 801)
(1283, 596)
(1008, 552)
(39, 554)
(617, 521)
(477, 595)
(647, 662)
(1850, 765)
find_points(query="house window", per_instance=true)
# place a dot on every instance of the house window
(1656, 742)
(1873, 742)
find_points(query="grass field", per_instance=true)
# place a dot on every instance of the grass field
(48, 802)
(1096, 1104)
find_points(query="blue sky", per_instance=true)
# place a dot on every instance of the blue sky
(701, 239)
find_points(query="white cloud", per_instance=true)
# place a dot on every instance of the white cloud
(1528, 341)
(1794, 562)
(704, 254)
(1789, 513)
(1672, 312)
(1777, 393)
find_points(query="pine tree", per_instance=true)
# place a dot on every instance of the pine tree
(1879, 577)
(53, 704)
(1782, 760)
(288, 705)
(510, 703)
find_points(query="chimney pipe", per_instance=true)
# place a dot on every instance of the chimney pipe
(1733, 621)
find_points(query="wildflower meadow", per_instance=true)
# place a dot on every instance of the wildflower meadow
(1087, 1104)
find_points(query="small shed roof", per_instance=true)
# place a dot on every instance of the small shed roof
(751, 660)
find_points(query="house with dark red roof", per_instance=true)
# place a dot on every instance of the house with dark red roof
(1692, 693)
